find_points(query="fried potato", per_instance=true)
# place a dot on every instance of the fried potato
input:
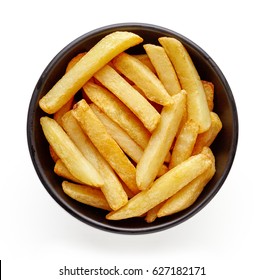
(129, 96)
(152, 214)
(185, 197)
(112, 188)
(86, 194)
(164, 68)
(190, 81)
(144, 58)
(160, 142)
(142, 76)
(105, 144)
(209, 93)
(71, 156)
(53, 155)
(98, 56)
(206, 139)
(118, 112)
(184, 143)
(61, 170)
(163, 188)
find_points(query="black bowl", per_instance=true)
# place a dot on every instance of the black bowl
(224, 147)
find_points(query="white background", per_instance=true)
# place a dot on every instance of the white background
(37, 237)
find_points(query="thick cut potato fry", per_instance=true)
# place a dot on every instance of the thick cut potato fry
(118, 112)
(152, 214)
(112, 188)
(163, 188)
(53, 155)
(164, 68)
(206, 139)
(98, 56)
(190, 81)
(127, 144)
(105, 144)
(71, 156)
(142, 76)
(61, 170)
(145, 60)
(160, 142)
(74, 60)
(86, 194)
(188, 195)
(184, 143)
(209, 93)
(129, 96)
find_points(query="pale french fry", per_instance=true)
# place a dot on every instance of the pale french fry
(129, 96)
(163, 188)
(112, 188)
(184, 143)
(67, 151)
(98, 56)
(142, 76)
(209, 93)
(206, 139)
(164, 68)
(160, 141)
(118, 112)
(86, 195)
(152, 214)
(105, 144)
(190, 81)
(74, 60)
(61, 170)
(127, 144)
(145, 60)
(189, 194)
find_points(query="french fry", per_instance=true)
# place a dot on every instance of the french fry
(74, 60)
(142, 76)
(209, 93)
(145, 60)
(98, 56)
(160, 142)
(129, 96)
(53, 155)
(206, 139)
(112, 188)
(152, 214)
(185, 197)
(86, 195)
(118, 112)
(164, 68)
(66, 150)
(190, 81)
(184, 143)
(105, 144)
(61, 170)
(163, 188)
(127, 144)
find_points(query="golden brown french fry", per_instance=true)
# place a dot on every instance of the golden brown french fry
(127, 144)
(67, 151)
(163, 188)
(206, 139)
(98, 56)
(188, 195)
(209, 93)
(118, 112)
(184, 143)
(105, 144)
(190, 81)
(86, 194)
(152, 214)
(145, 60)
(74, 60)
(129, 96)
(61, 170)
(142, 76)
(53, 155)
(112, 188)
(164, 68)
(160, 141)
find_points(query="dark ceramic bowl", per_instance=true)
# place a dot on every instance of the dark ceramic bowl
(224, 146)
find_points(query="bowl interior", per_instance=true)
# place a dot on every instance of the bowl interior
(224, 146)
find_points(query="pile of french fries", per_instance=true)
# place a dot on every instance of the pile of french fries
(137, 143)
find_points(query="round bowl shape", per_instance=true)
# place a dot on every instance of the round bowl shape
(224, 147)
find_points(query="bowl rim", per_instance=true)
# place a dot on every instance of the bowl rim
(130, 26)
